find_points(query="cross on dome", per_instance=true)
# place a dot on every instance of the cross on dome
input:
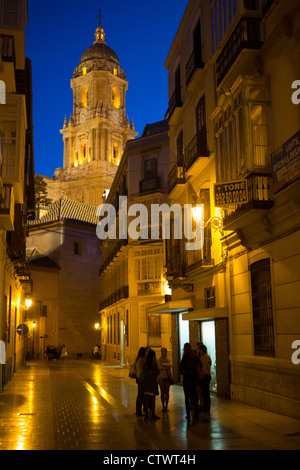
(99, 34)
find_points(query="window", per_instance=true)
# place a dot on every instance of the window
(44, 311)
(77, 248)
(116, 101)
(148, 267)
(251, 4)
(242, 135)
(259, 134)
(84, 97)
(10, 13)
(180, 149)
(76, 158)
(263, 329)
(82, 152)
(154, 330)
(201, 126)
(150, 168)
(222, 15)
(210, 297)
(116, 154)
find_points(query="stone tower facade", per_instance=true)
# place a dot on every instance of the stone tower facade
(97, 131)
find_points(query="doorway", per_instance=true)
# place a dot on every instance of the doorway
(208, 337)
(122, 332)
(184, 333)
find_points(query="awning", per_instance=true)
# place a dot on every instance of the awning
(174, 306)
(206, 314)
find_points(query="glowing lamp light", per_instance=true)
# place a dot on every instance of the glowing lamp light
(97, 326)
(197, 212)
(28, 303)
(33, 324)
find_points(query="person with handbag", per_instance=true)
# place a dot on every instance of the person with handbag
(148, 378)
(165, 378)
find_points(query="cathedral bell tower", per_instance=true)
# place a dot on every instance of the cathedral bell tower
(97, 131)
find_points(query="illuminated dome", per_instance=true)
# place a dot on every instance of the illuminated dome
(99, 50)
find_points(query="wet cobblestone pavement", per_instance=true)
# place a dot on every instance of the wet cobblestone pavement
(87, 405)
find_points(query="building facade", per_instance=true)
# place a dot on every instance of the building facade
(95, 134)
(234, 146)
(16, 182)
(132, 265)
(64, 257)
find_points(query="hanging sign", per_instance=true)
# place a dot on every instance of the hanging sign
(286, 163)
(22, 329)
(231, 193)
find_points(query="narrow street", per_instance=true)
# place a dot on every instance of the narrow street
(87, 405)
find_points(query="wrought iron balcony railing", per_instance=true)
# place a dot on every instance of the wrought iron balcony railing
(196, 148)
(245, 36)
(176, 176)
(175, 102)
(7, 205)
(150, 184)
(260, 196)
(194, 62)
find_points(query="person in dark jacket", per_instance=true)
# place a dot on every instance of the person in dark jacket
(150, 373)
(139, 362)
(188, 369)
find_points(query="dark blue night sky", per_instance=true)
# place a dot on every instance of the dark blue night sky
(139, 31)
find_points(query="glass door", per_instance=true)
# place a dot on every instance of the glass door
(208, 339)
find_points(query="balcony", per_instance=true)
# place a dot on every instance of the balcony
(7, 207)
(16, 239)
(119, 294)
(197, 148)
(150, 184)
(149, 288)
(194, 63)
(176, 266)
(245, 36)
(260, 199)
(176, 176)
(175, 102)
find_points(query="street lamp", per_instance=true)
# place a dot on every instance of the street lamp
(28, 303)
(198, 213)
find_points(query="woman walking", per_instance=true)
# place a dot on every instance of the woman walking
(188, 369)
(150, 373)
(164, 366)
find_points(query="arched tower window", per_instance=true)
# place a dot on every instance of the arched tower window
(82, 153)
(116, 156)
(116, 101)
(84, 97)
(76, 158)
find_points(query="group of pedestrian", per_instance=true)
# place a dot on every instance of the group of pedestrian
(196, 371)
(152, 374)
